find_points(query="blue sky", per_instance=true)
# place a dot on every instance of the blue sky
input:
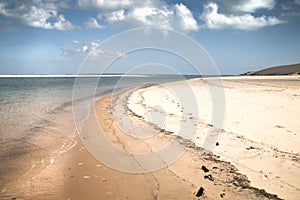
(54, 37)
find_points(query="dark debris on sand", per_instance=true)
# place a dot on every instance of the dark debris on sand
(199, 192)
(228, 175)
(204, 169)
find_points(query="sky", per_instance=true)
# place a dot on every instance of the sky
(56, 37)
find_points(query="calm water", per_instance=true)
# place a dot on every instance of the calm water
(27, 102)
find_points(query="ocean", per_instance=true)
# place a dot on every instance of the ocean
(28, 102)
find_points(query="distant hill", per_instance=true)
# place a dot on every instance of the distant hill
(278, 70)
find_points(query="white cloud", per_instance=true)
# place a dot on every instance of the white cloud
(92, 23)
(103, 4)
(112, 13)
(152, 13)
(62, 24)
(36, 14)
(118, 15)
(37, 17)
(216, 20)
(186, 18)
(95, 43)
(92, 48)
(84, 48)
(151, 16)
(253, 5)
(81, 48)
(249, 6)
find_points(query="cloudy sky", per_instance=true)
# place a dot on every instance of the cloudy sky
(54, 37)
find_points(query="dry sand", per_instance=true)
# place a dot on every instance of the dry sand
(260, 134)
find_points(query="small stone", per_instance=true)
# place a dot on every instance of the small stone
(217, 144)
(222, 195)
(199, 192)
(209, 177)
(204, 169)
(249, 148)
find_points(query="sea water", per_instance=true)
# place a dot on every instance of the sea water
(26, 102)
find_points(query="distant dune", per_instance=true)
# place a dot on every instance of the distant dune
(278, 70)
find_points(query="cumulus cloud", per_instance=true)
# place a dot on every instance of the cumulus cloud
(91, 48)
(104, 4)
(92, 23)
(115, 16)
(112, 13)
(125, 14)
(62, 24)
(185, 17)
(152, 13)
(36, 14)
(81, 48)
(215, 20)
(253, 5)
(249, 6)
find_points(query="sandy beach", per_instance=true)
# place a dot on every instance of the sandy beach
(149, 100)
(260, 131)
(255, 156)
(182, 179)
(257, 152)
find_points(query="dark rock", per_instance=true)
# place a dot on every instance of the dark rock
(217, 144)
(204, 169)
(249, 148)
(200, 192)
(222, 195)
(209, 177)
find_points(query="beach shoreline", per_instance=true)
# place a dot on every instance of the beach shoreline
(260, 128)
(246, 144)
(178, 180)
(262, 169)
